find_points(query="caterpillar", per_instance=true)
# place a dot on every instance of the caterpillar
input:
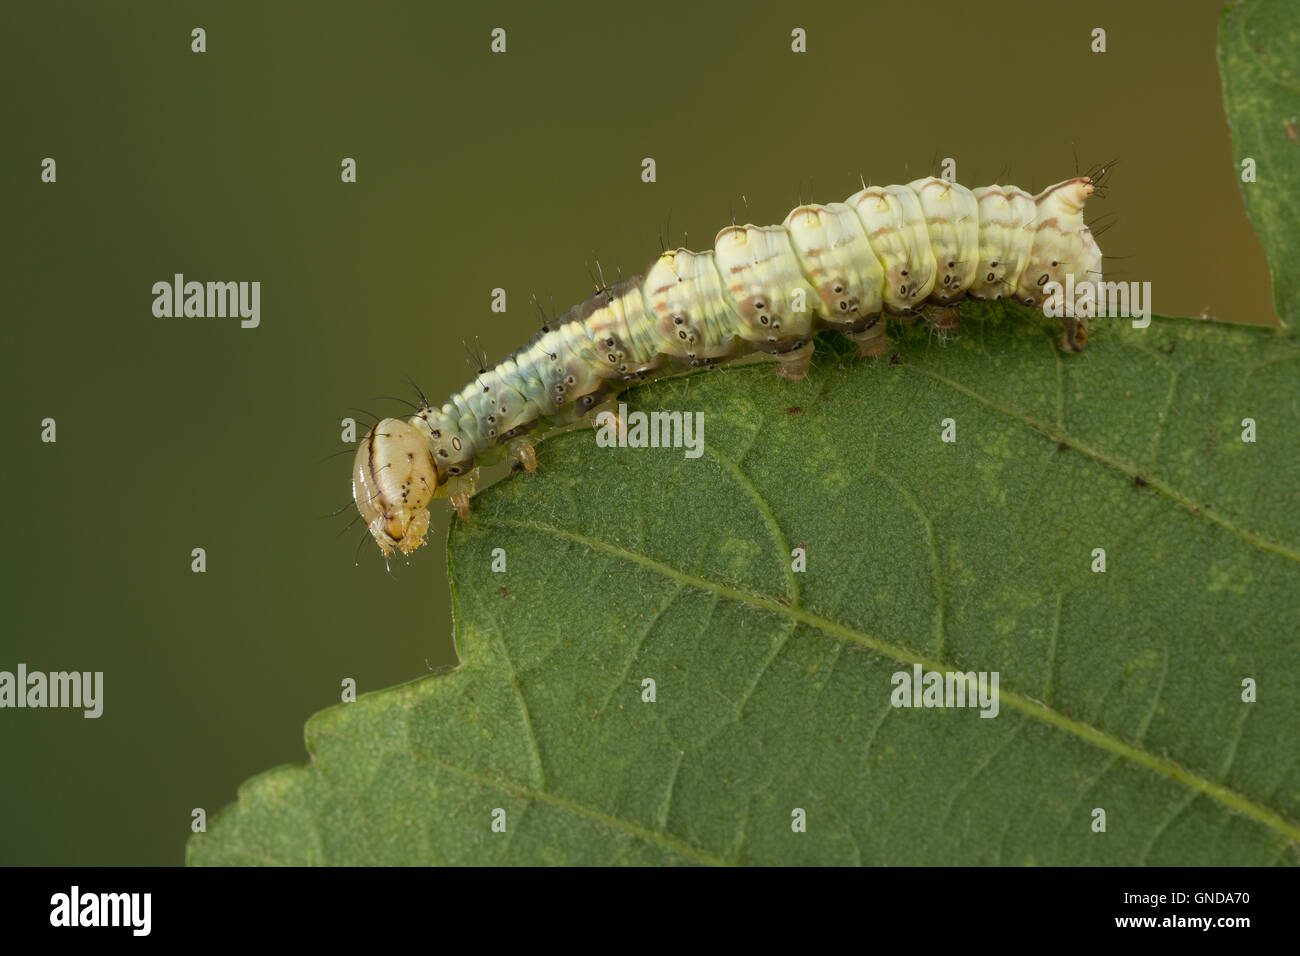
(901, 252)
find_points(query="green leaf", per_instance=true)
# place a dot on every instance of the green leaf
(1120, 690)
(1259, 63)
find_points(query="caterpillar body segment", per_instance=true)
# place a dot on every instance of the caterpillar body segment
(1007, 216)
(886, 252)
(684, 292)
(895, 228)
(769, 295)
(952, 224)
(838, 262)
(1063, 246)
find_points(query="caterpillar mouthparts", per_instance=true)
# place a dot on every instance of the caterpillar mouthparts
(887, 252)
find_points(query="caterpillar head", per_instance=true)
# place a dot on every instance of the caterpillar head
(393, 480)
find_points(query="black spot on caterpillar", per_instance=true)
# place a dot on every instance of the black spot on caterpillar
(887, 252)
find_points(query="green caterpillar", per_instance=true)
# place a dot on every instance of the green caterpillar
(896, 251)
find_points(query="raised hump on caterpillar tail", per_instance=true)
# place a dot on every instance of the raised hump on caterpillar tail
(895, 253)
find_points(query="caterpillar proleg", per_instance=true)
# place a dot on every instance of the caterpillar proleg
(896, 252)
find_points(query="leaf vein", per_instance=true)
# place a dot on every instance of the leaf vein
(1123, 467)
(680, 847)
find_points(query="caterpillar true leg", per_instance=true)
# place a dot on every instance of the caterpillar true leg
(460, 490)
(521, 449)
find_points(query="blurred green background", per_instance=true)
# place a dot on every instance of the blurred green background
(474, 171)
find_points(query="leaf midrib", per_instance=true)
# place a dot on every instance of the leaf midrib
(1229, 798)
